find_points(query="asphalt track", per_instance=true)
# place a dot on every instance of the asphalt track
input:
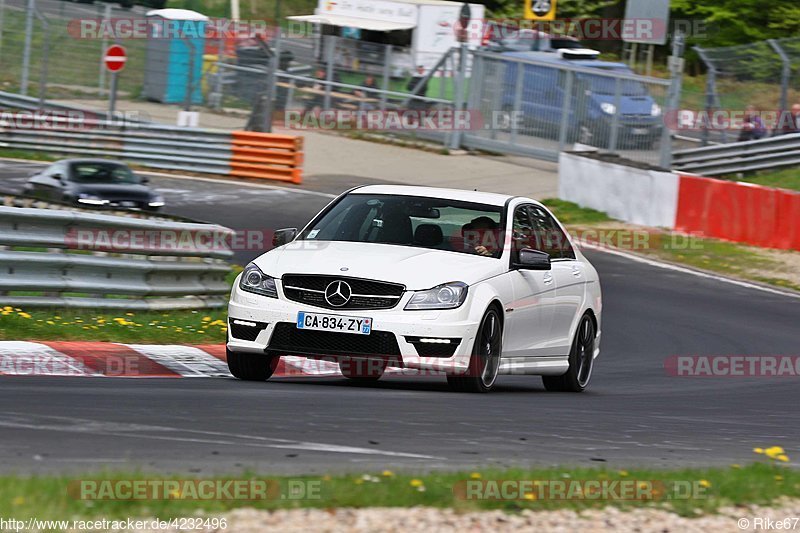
(633, 414)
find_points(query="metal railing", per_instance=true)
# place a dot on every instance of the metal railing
(747, 156)
(156, 146)
(71, 259)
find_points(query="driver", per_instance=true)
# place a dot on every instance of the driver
(481, 234)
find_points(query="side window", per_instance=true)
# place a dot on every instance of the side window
(55, 168)
(522, 235)
(549, 235)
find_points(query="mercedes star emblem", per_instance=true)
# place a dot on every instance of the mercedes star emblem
(337, 293)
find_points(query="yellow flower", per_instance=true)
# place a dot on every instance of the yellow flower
(24, 315)
(737, 466)
(206, 319)
(475, 475)
(326, 478)
(758, 450)
(783, 458)
(529, 496)
(8, 308)
(51, 322)
(359, 481)
(19, 500)
(387, 473)
(623, 473)
(417, 483)
(128, 314)
(705, 483)
(778, 478)
(773, 452)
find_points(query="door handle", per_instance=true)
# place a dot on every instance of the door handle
(547, 279)
(576, 271)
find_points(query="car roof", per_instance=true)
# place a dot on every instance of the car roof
(554, 58)
(479, 197)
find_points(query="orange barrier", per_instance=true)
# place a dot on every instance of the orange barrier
(739, 212)
(267, 156)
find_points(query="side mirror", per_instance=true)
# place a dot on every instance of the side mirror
(282, 236)
(530, 259)
(144, 180)
(58, 177)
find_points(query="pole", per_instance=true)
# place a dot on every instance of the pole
(455, 140)
(2, 22)
(786, 73)
(26, 53)
(101, 79)
(649, 67)
(187, 103)
(673, 97)
(45, 60)
(112, 96)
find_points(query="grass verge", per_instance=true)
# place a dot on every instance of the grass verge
(773, 267)
(788, 178)
(685, 491)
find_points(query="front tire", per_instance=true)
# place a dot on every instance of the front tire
(485, 361)
(581, 361)
(250, 366)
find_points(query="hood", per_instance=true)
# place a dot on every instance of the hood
(416, 268)
(114, 191)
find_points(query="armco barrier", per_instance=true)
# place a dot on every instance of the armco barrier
(238, 153)
(734, 211)
(73, 259)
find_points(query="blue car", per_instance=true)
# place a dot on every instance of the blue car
(592, 105)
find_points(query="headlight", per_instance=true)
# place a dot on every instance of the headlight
(91, 199)
(608, 108)
(445, 296)
(253, 280)
(655, 110)
(156, 201)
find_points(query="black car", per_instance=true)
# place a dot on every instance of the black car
(94, 183)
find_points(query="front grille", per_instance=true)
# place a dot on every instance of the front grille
(434, 349)
(287, 339)
(366, 294)
(245, 332)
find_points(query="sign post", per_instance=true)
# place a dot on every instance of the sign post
(114, 60)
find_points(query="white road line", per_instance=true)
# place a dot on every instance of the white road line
(238, 182)
(684, 270)
(135, 430)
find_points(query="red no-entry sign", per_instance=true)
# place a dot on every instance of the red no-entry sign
(114, 58)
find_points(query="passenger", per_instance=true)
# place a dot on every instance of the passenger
(481, 236)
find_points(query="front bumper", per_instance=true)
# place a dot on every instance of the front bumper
(451, 324)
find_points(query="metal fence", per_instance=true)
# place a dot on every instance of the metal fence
(764, 74)
(539, 107)
(71, 259)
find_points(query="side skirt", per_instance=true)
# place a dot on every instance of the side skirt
(542, 366)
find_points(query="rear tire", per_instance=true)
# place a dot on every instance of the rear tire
(362, 370)
(250, 366)
(581, 361)
(485, 361)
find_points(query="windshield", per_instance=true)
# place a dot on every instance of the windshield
(606, 85)
(420, 222)
(99, 172)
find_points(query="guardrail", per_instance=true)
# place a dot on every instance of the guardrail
(275, 157)
(747, 156)
(69, 259)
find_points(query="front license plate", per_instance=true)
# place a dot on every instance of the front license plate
(342, 324)
(640, 131)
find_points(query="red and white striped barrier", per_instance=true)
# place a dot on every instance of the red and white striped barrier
(730, 210)
(106, 359)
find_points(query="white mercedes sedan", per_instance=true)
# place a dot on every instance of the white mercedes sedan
(468, 284)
